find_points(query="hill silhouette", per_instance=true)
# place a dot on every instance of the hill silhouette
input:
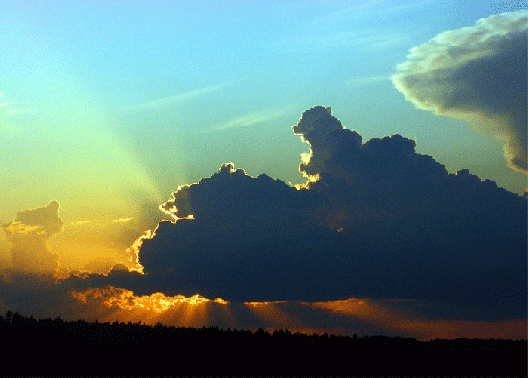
(61, 347)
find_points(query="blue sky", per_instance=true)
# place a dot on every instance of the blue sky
(181, 87)
(106, 105)
(169, 90)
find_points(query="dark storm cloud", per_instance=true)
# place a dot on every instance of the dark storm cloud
(375, 220)
(29, 233)
(478, 74)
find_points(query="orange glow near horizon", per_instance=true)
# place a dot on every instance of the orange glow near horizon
(424, 329)
(275, 316)
(198, 311)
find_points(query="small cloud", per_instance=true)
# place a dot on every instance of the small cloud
(80, 222)
(14, 117)
(29, 233)
(122, 220)
(9, 108)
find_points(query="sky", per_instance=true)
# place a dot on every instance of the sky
(346, 166)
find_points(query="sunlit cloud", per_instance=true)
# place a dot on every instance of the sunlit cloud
(193, 311)
(477, 74)
(79, 222)
(125, 299)
(122, 220)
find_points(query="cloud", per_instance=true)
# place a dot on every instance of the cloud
(179, 98)
(37, 241)
(95, 245)
(365, 80)
(122, 220)
(253, 118)
(370, 38)
(14, 117)
(374, 220)
(29, 233)
(477, 74)
(340, 12)
(80, 222)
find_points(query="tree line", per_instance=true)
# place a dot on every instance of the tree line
(64, 347)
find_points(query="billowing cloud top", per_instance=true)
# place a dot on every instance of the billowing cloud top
(478, 74)
(231, 195)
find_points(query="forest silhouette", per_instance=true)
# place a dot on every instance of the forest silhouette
(80, 348)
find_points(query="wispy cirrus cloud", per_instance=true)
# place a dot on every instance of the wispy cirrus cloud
(366, 80)
(339, 11)
(11, 116)
(253, 118)
(163, 102)
(348, 24)
(370, 38)
(345, 11)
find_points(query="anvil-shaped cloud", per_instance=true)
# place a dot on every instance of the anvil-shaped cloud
(477, 74)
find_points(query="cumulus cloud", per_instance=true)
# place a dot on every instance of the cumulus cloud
(29, 233)
(477, 74)
(382, 179)
(374, 220)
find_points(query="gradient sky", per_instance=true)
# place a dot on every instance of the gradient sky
(107, 102)
(108, 106)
